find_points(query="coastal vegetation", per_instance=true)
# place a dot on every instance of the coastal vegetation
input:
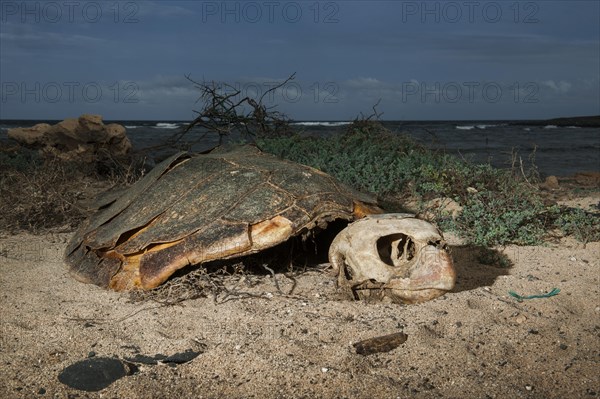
(497, 206)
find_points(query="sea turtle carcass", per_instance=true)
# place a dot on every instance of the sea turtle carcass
(232, 202)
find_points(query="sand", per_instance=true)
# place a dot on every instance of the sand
(475, 342)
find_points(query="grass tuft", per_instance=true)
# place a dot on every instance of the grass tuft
(44, 193)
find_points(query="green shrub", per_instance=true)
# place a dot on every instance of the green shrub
(584, 226)
(501, 217)
(380, 163)
(502, 209)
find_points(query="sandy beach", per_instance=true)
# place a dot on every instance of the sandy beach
(477, 341)
(221, 154)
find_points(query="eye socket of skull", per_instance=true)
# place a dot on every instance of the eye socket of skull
(396, 249)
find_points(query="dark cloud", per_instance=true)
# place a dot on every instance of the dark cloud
(420, 62)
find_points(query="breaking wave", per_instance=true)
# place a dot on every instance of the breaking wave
(164, 125)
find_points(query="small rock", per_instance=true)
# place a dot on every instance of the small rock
(442, 205)
(387, 300)
(91, 354)
(573, 259)
(324, 369)
(472, 190)
(520, 319)
(563, 346)
(147, 360)
(529, 387)
(177, 358)
(42, 391)
(426, 384)
(551, 183)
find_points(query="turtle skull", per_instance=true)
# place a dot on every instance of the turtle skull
(392, 255)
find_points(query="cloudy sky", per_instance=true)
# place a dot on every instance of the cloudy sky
(425, 60)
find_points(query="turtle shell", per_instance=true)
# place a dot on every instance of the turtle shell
(192, 209)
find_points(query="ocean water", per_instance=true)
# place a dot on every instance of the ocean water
(560, 151)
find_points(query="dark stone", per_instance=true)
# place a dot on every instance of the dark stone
(144, 359)
(94, 374)
(182, 357)
(177, 358)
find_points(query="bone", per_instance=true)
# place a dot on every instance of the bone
(392, 255)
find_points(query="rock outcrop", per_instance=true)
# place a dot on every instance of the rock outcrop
(85, 138)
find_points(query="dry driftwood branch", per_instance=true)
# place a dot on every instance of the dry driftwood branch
(224, 113)
(384, 343)
(375, 114)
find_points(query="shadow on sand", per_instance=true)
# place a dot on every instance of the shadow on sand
(478, 267)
